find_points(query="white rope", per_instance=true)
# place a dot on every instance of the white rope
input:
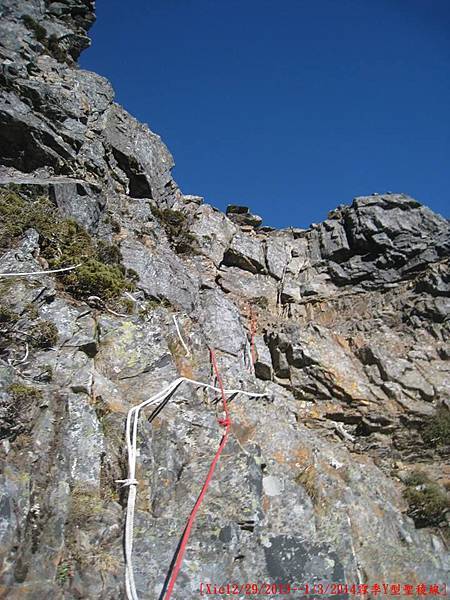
(131, 297)
(248, 358)
(131, 481)
(188, 353)
(40, 272)
(19, 362)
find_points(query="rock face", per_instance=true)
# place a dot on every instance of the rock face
(347, 322)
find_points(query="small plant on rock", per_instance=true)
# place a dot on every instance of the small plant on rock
(7, 315)
(24, 395)
(307, 478)
(64, 573)
(175, 225)
(436, 433)
(44, 334)
(35, 27)
(261, 301)
(55, 49)
(428, 503)
(95, 278)
(64, 243)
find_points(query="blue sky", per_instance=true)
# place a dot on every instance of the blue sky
(288, 106)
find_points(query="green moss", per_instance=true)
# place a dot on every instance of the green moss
(63, 573)
(128, 306)
(31, 311)
(39, 31)
(109, 253)
(171, 220)
(95, 278)
(52, 45)
(436, 432)
(186, 243)
(175, 225)
(65, 243)
(132, 275)
(427, 502)
(13, 217)
(7, 315)
(24, 395)
(44, 334)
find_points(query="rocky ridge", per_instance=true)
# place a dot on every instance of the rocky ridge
(340, 474)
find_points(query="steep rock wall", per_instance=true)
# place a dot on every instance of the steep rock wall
(351, 320)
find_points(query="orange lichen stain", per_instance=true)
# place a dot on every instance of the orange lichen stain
(280, 457)
(301, 456)
(341, 473)
(265, 503)
(377, 511)
(298, 458)
(156, 423)
(315, 413)
(115, 406)
(148, 242)
(343, 342)
(185, 369)
(243, 433)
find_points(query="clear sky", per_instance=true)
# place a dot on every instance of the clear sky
(288, 106)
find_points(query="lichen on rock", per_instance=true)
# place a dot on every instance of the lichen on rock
(346, 322)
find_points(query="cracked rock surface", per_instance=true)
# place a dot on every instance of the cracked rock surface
(348, 323)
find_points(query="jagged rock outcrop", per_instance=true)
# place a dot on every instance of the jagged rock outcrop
(349, 324)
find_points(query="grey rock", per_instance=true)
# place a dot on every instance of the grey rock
(290, 290)
(84, 441)
(213, 232)
(221, 322)
(253, 287)
(351, 320)
(386, 238)
(263, 363)
(161, 273)
(245, 252)
(139, 153)
(242, 216)
(278, 255)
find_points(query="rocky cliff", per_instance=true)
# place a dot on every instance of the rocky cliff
(337, 474)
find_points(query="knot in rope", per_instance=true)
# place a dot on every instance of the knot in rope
(224, 422)
(127, 482)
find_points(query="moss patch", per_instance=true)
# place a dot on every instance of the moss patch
(175, 225)
(7, 315)
(261, 301)
(24, 395)
(39, 31)
(44, 334)
(64, 243)
(427, 502)
(50, 43)
(436, 433)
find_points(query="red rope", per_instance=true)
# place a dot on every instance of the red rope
(190, 522)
